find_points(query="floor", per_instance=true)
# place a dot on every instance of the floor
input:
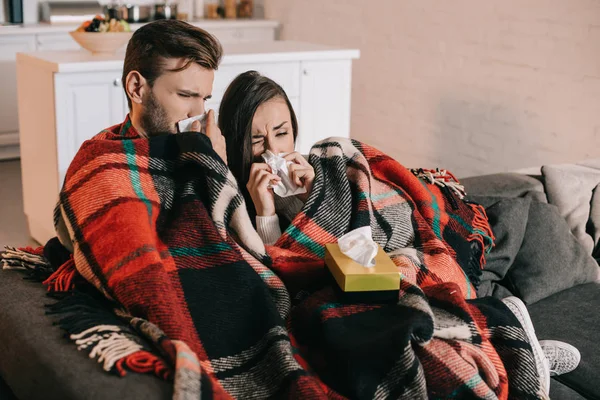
(13, 224)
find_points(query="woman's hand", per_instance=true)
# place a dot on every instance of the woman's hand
(258, 187)
(301, 173)
(214, 134)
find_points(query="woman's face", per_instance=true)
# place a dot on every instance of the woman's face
(272, 128)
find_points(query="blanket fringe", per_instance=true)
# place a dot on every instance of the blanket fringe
(108, 343)
(91, 322)
(118, 350)
(27, 259)
(442, 178)
(62, 280)
(23, 258)
(38, 251)
(482, 232)
(144, 362)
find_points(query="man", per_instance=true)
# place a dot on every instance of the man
(168, 76)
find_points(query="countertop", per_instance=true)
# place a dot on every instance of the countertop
(234, 53)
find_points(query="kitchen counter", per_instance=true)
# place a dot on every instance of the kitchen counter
(234, 53)
(58, 52)
(208, 24)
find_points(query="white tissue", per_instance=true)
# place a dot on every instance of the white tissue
(359, 246)
(185, 125)
(279, 166)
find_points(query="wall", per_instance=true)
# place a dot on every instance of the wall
(472, 86)
(31, 15)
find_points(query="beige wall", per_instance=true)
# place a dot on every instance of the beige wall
(469, 85)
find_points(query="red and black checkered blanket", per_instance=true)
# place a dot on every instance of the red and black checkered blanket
(160, 228)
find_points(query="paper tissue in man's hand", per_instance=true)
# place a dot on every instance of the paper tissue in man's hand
(186, 124)
(358, 264)
(279, 166)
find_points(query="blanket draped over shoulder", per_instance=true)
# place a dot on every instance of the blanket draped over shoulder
(160, 228)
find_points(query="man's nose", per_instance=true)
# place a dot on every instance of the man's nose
(197, 109)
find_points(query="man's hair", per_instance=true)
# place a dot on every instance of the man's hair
(152, 44)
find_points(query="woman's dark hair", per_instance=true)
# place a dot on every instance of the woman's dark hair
(160, 40)
(245, 94)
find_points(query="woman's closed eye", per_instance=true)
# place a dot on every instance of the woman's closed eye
(282, 133)
(257, 140)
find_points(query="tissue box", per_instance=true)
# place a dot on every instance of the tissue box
(353, 277)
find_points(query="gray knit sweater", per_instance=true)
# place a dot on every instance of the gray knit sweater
(268, 227)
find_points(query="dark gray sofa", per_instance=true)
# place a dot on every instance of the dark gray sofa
(37, 362)
(571, 315)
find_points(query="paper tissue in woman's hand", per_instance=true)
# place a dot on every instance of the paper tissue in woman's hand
(279, 166)
(358, 264)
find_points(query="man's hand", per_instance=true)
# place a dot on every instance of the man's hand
(214, 134)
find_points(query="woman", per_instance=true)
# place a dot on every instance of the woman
(255, 116)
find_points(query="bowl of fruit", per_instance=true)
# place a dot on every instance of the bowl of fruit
(101, 36)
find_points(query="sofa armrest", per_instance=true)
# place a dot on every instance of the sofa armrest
(507, 184)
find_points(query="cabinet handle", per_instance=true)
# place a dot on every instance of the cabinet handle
(117, 82)
(305, 71)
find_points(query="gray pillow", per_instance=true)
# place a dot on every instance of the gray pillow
(573, 189)
(536, 254)
(504, 215)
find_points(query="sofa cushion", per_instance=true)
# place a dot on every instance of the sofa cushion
(535, 254)
(551, 259)
(562, 392)
(572, 316)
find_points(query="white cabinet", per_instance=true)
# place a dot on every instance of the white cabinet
(85, 104)
(324, 110)
(9, 120)
(55, 41)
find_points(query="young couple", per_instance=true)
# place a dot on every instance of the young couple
(168, 76)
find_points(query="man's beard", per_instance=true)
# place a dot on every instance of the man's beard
(154, 119)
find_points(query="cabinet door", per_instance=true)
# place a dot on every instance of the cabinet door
(55, 41)
(10, 45)
(86, 103)
(287, 74)
(325, 91)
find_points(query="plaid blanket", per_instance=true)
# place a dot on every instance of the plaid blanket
(160, 228)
